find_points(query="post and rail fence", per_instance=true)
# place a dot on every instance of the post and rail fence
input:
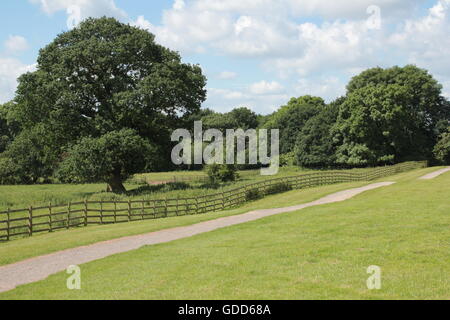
(15, 223)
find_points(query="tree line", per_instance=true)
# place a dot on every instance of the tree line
(105, 98)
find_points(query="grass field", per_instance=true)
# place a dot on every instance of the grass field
(317, 253)
(23, 196)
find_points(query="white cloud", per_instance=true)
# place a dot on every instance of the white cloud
(242, 23)
(328, 88)
(339, 45)
(276, 34)
(10, 70)
(266, 88)
(82, 9)
(224, 100)
(179, 5)
(227, 75)
(427, 40)
(350, 9)
(16, 44)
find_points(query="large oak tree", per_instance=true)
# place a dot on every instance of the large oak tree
(102, 77)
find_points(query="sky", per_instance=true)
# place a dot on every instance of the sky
(255, 53)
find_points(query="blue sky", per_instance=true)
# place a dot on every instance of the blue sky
(255, 53)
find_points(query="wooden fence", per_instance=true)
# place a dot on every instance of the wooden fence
(33, 220)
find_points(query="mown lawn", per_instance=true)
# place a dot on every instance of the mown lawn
(317, 253)
(45, 243)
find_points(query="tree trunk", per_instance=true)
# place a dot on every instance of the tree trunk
(115, 185)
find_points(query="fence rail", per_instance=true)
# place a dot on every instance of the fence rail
(32, 220)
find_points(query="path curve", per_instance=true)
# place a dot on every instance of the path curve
(435, 174)
(39, 268)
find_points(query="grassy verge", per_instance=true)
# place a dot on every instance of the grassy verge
(41, 244)
(318, 253)
(21, 249)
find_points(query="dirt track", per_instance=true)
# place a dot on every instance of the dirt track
(435, 174)
(40, 268)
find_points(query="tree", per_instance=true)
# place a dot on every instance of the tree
(105, 76)
(8, 127)
(315, 147)
(291, 118)
(4, 133)
(26, 159)
(244, 118)
(113, 157)
(442, 148)
(238, 118)
(389, 115)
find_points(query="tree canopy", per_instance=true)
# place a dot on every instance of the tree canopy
(314, 146)
(291, 118)
(104, 76)
(442, 148)
(389, 115)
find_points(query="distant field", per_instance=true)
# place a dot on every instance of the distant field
(23, 196)
(316, 253)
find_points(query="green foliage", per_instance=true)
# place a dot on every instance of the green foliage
(279, 188)
(221, 173)
(8, 127)
(253, 194)
(26, 159)
(314, 147)
(104, 76)
(113, 157)
(288, 159)
(389, 115)
(442, 149)
(238, 118)
(291, 118)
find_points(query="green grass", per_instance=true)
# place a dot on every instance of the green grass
(23, 196)
(317, 253)
(45, 243)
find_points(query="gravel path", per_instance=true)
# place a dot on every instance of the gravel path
(40, 268)
(435, 174)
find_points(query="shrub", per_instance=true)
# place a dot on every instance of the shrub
(288, 159)
(442, 149)
(221, 173)
(253, 194)
(279, 188)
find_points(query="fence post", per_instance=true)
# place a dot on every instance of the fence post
(143, 209)
(68, 215)
(165, 205)
(85, 212)
(101, 211)
(223, 200)
(129, 210)
(7, 224)
(50, 218)
(30, 221)
(115, 211)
